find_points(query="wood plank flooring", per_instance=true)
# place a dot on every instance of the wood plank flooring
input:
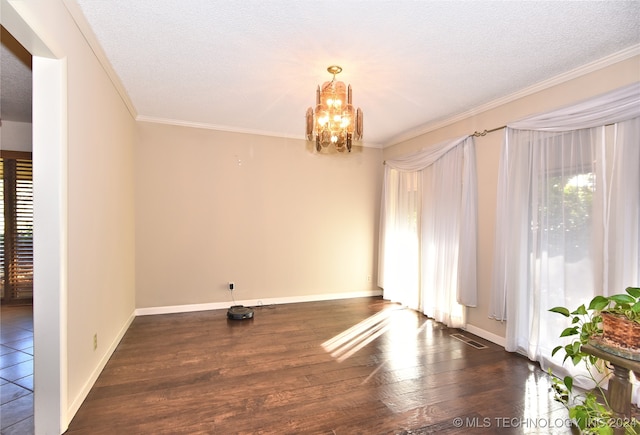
(200, 373)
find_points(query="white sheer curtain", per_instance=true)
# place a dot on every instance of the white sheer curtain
(623, 209)
(622, 217)
(399, 256)
(546, 219)
(567, 223)
(428, 231)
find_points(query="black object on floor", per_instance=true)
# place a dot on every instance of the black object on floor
(239, 312)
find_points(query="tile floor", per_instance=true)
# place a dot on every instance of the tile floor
(16, 370)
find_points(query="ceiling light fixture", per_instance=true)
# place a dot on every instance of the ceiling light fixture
(335, 121)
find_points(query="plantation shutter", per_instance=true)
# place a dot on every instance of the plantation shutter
(17, 240)
(2, 227)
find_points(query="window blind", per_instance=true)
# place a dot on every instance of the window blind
(16, 250)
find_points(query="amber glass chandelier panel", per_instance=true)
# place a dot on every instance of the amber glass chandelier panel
(334, 122)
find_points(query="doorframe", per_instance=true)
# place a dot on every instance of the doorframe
(50, 243)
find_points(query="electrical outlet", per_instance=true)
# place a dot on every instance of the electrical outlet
(95, 341)
(368, 278)
(231, 285)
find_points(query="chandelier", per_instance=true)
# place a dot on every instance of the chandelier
(335, 121)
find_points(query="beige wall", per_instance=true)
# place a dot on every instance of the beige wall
(207, 207)
(488, 157)
(277, 219)
(101, 293)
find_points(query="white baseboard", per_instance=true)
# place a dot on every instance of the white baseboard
(84, 392)
(254, 302)
(500, 341)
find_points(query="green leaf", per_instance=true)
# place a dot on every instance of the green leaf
(569, 331)
(598, 303)
(634, 291)
(568, 382)
(588, 330)
(622, 299)
(580, 311)
(560, 310)
(605, 430)
(636, 307)
(555, 349)
(575, 348)
(580, 415)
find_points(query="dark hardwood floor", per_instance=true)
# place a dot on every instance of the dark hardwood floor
(289, 370)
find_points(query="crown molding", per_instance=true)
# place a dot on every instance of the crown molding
(91, 39)
(228, 129)
(599, 64)
(216, 127)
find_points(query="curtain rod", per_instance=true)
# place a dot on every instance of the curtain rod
(476, 134)
(485, 132)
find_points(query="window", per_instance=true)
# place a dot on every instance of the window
(569, 220)
(16, 224)
(428, 231)
(569, 211)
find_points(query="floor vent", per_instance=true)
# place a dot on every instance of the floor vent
(469, 341)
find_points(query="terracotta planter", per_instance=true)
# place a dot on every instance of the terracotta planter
(618, 331)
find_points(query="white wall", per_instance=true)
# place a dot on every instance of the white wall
(488, 157)
(277, 219)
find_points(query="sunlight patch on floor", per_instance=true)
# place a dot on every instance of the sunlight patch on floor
(347, 343)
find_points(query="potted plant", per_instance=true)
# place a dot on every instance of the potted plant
(613, 321)
(621, 320)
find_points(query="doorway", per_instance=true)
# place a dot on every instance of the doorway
(16, 237)
(49, 110)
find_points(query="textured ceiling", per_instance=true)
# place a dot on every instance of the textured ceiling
(15, 79)
(253, 65)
